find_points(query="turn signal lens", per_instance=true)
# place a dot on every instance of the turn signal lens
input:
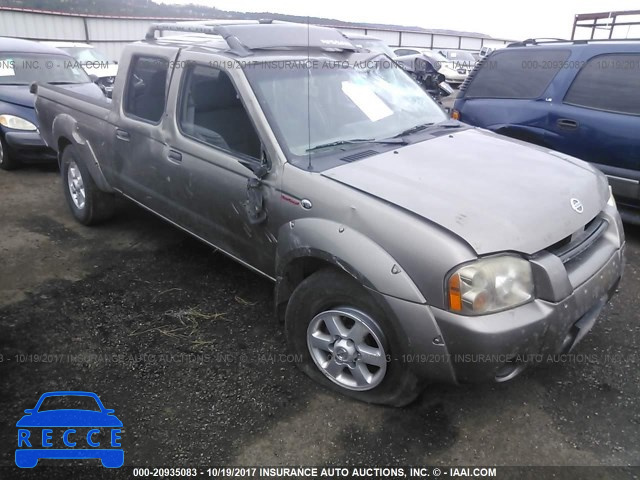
(455, 114)
(455, 299)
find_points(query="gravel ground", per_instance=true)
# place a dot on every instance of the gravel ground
(182, 343)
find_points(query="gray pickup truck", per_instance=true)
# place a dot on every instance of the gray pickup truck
(405, 248)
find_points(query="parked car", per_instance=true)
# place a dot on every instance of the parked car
(420, 67)
(461, 59)
(452, 74)
(580, 98)
(21, 63)
(404, 246)
(93, 61)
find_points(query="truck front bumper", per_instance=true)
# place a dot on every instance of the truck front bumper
(443, 346)
(498, 346)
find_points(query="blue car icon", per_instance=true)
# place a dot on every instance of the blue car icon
(78, 429)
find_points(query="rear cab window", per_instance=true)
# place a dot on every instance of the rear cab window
(517, 74)
(145, 95)
(609, 83)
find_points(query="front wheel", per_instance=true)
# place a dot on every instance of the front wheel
(88, 204)
(344, 341)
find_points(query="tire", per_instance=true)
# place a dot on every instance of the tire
(88, 204)
(351, 362)
(8, 160)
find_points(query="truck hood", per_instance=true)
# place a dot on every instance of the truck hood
(496, 193)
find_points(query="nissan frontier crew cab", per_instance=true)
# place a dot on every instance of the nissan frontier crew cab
(404, 247)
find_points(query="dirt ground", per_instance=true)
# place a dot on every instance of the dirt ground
(181, 342)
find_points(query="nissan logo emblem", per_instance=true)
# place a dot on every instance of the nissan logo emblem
(577, 205)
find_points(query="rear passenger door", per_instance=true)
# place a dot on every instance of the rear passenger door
(599, 117)
(139, 166)
(217, 148)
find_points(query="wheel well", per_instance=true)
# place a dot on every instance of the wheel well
(294, 273)
(63, 143)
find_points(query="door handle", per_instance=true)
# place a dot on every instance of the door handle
(122, 135)
(567, 124)
(174, 156)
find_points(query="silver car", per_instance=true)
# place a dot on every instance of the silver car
(404, 247)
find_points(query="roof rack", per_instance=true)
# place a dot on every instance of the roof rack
(536, 41)
(245, 37)
(545, 41)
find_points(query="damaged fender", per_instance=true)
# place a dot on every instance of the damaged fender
(347, 249)
(65, 126)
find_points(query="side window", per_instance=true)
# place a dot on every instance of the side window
(608, 82)
(522, 73)
(211, 112)
(145, 95)
(405, 51)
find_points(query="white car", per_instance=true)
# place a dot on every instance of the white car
(93, 61)
(445, 67)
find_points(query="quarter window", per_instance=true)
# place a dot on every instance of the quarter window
(146, 92)
(608, 82)
(521, 73)
(211, 112)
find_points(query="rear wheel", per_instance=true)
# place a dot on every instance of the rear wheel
(88, 204)
(344, 341)
(7, 158)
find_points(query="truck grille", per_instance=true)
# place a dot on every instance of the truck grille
(570, 247)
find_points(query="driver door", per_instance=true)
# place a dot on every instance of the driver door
(218, 158)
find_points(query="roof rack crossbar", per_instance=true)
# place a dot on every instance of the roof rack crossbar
(244, 37)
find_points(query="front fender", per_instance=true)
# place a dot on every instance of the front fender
(347, 249)
(65, 130)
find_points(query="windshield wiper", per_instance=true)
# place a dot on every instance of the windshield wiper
(356, 141)
(411, 130)
(424, 126)
(64, 83)
(13, 84)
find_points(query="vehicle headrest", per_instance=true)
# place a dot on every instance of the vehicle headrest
(215, 94)
(157, 83)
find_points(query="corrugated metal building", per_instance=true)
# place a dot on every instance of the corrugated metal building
(111, 34)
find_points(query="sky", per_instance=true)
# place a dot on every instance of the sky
(511, 20)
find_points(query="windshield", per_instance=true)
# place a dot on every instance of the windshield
(374, 45)
(332, 103)
(67, 402)
(25, 68)
(86, 54)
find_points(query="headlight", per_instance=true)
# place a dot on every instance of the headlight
(17, 123)
(490, 285)
(612, 201)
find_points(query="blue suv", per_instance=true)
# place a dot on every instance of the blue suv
(581, 98)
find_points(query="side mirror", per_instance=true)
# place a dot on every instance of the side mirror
(94, 78)
(109, 411)
(33, 88)
(29, 411)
